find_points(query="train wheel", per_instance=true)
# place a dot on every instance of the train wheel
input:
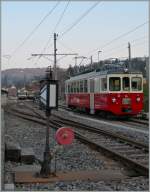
(110, 116)
(87, 110)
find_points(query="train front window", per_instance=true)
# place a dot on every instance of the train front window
(114, 83)
(136, 83)
(126, 83)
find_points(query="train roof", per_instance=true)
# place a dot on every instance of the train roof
(101, 72)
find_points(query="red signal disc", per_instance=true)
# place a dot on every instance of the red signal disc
(64, 136)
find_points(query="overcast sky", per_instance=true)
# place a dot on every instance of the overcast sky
(90, 32)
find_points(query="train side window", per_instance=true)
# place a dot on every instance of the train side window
(114, 84)
(68, 88)
(126, 83)
(74, 87)
(136, 83)
(71, 87)
(91, 85)
(77, 86)
(85, 86)
(81, 86)
(104, 84)
(97, 85)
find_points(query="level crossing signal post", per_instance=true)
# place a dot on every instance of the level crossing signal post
(49, 98)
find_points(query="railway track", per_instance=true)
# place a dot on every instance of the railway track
(133, 121)
(132, 154)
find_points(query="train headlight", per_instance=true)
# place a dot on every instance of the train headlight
(113, 100)
(138, 99)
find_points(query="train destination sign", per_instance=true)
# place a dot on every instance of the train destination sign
(49, 94)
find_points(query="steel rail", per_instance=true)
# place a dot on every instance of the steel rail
(130, 120)
(141, 169)
(100, 131)
(92, 129)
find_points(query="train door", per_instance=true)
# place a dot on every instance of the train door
(92, 85)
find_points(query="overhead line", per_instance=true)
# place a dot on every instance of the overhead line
(74, 24)
(35, 28)
(112, 49)
(60, 18)
(80, 18)
(133, 45)
(120, 36)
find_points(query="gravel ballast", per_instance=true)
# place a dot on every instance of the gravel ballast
(77, 156)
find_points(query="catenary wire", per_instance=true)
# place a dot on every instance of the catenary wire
(114, 48)
(35, 28)
(56, 26)
(75, 23)
(119, 37)
(79, 19)
(124, 48)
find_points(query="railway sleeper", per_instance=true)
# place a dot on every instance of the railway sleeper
(138, 168)
(140, 155)
(127, 153)
(144, 161)
(118, 148)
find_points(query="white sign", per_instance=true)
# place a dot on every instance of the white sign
(52, 95)
(48, 95)
(43, 94)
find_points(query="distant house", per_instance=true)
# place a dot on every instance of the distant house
(12, 91)
(33, 86)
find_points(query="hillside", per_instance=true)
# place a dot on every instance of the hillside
(21, 76)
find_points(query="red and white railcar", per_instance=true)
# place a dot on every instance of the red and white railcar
(119, 93)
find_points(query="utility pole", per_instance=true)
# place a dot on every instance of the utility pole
(50, 97)
(98, 55)
(129, 52)
(91, 62)
(45, 167)
(55, 55)
(75, 60)
(55, 59)
(5, 80)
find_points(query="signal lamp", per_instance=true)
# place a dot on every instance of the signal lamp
(138, 99)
